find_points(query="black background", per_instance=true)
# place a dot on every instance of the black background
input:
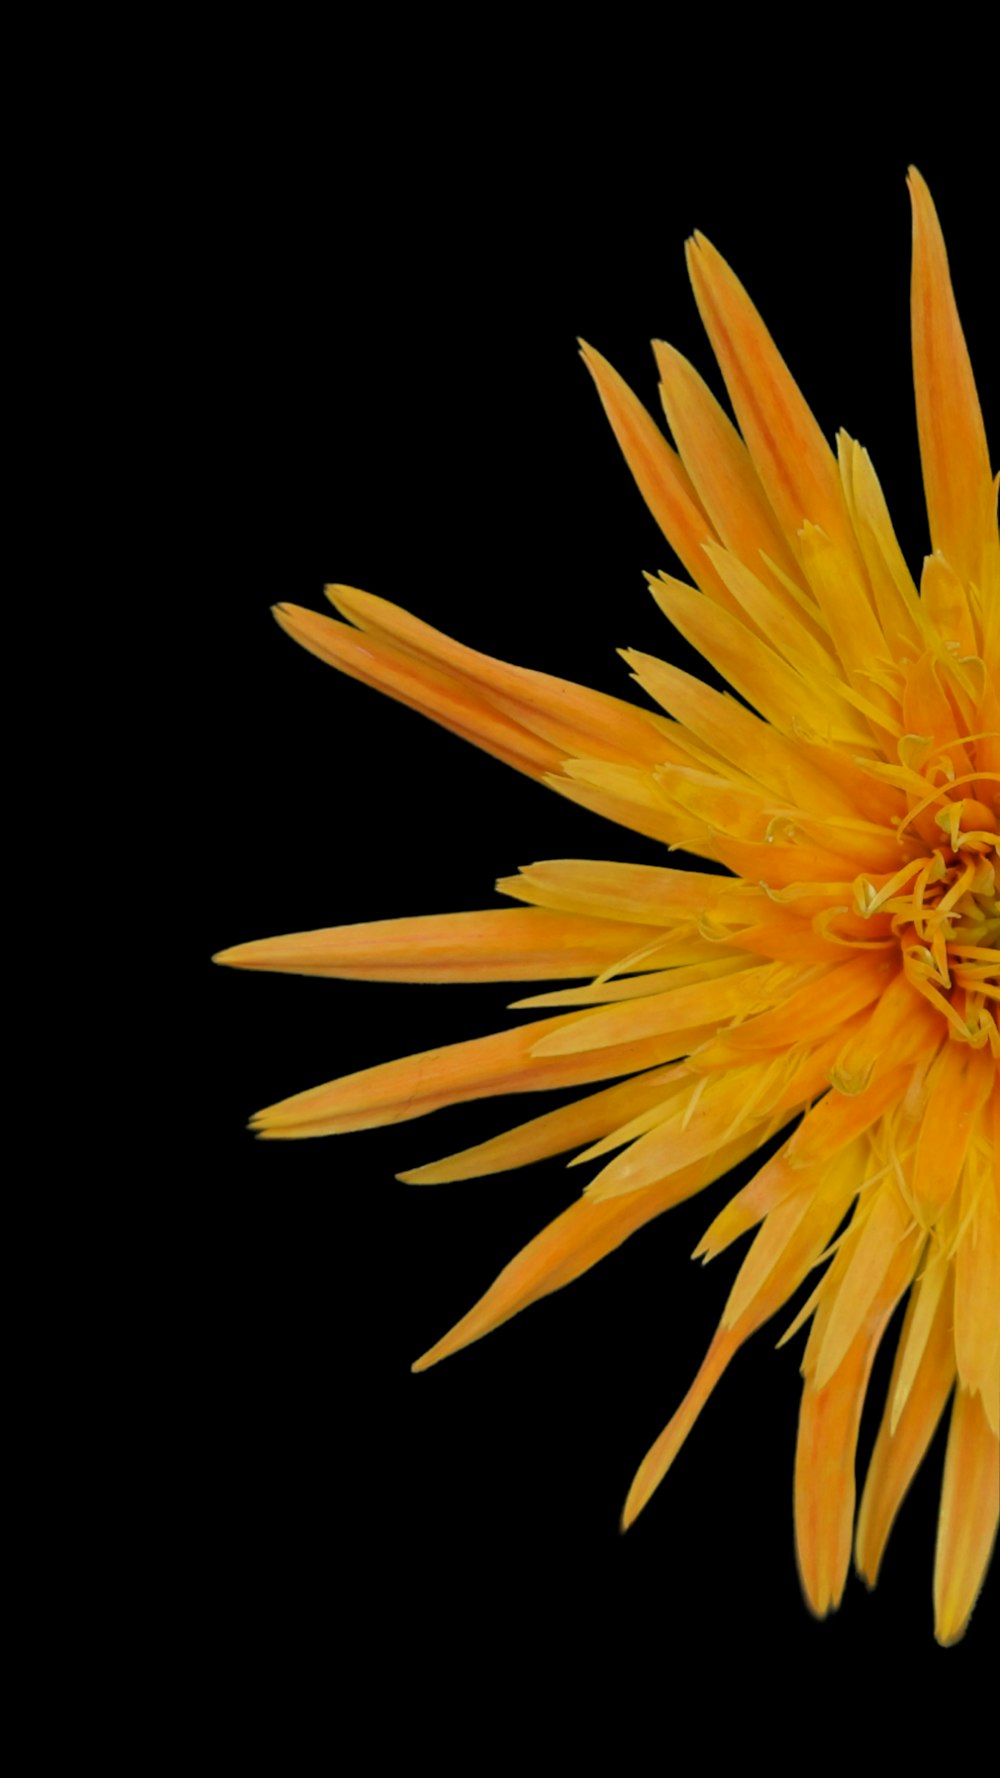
(388, 305)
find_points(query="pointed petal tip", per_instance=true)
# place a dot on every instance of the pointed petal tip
(634, 1504)
(819, 1612)
(415, 1176)
(245, 956)
(866, 1579)
(433, 1355)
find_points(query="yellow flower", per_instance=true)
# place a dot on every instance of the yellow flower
(832, 977)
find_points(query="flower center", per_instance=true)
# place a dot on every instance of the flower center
(944, 911)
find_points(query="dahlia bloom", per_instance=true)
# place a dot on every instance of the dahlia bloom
(831, 978)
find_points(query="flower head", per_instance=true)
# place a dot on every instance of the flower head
(830, 979)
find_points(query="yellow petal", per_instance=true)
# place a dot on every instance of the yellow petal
(782, 695)
(719, 465)
(803, 643)
(680, 1009)
(552, 1133)
(735, 734)
(843, 598)
(945, 601)
(901, 619)
(713, 960)
(646, 893)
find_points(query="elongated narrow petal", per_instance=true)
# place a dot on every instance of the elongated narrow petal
(886, 1229)
(660, 475)
(793, 460)
(783, 695)
(498, 945)
(577, 1239)
(646, 893)
(956, 463)
(970, 1505)
(555, 1131)
(573, 718)
(719, 464)
(432, 693)
(900, 1446)
(676, 1010)
(977, 1286)
(829, 1419)
(484, 1067)
(792, 1247)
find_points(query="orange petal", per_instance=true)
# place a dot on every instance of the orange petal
(573, 1243)
(791, 1238)
(661, 1455)
(829, 1419)
(660, 475)
(887, 1229)
(799, 1243)
(573, 718)
(823, 1004)
(744, 1096)
(958, 1086)
(840, 1117)
(977, 1279)
(793, 460)
(953, 447)
(498, 945)
(900, 1447)
(970, 1505)
(441, 696)
(482, 1068)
